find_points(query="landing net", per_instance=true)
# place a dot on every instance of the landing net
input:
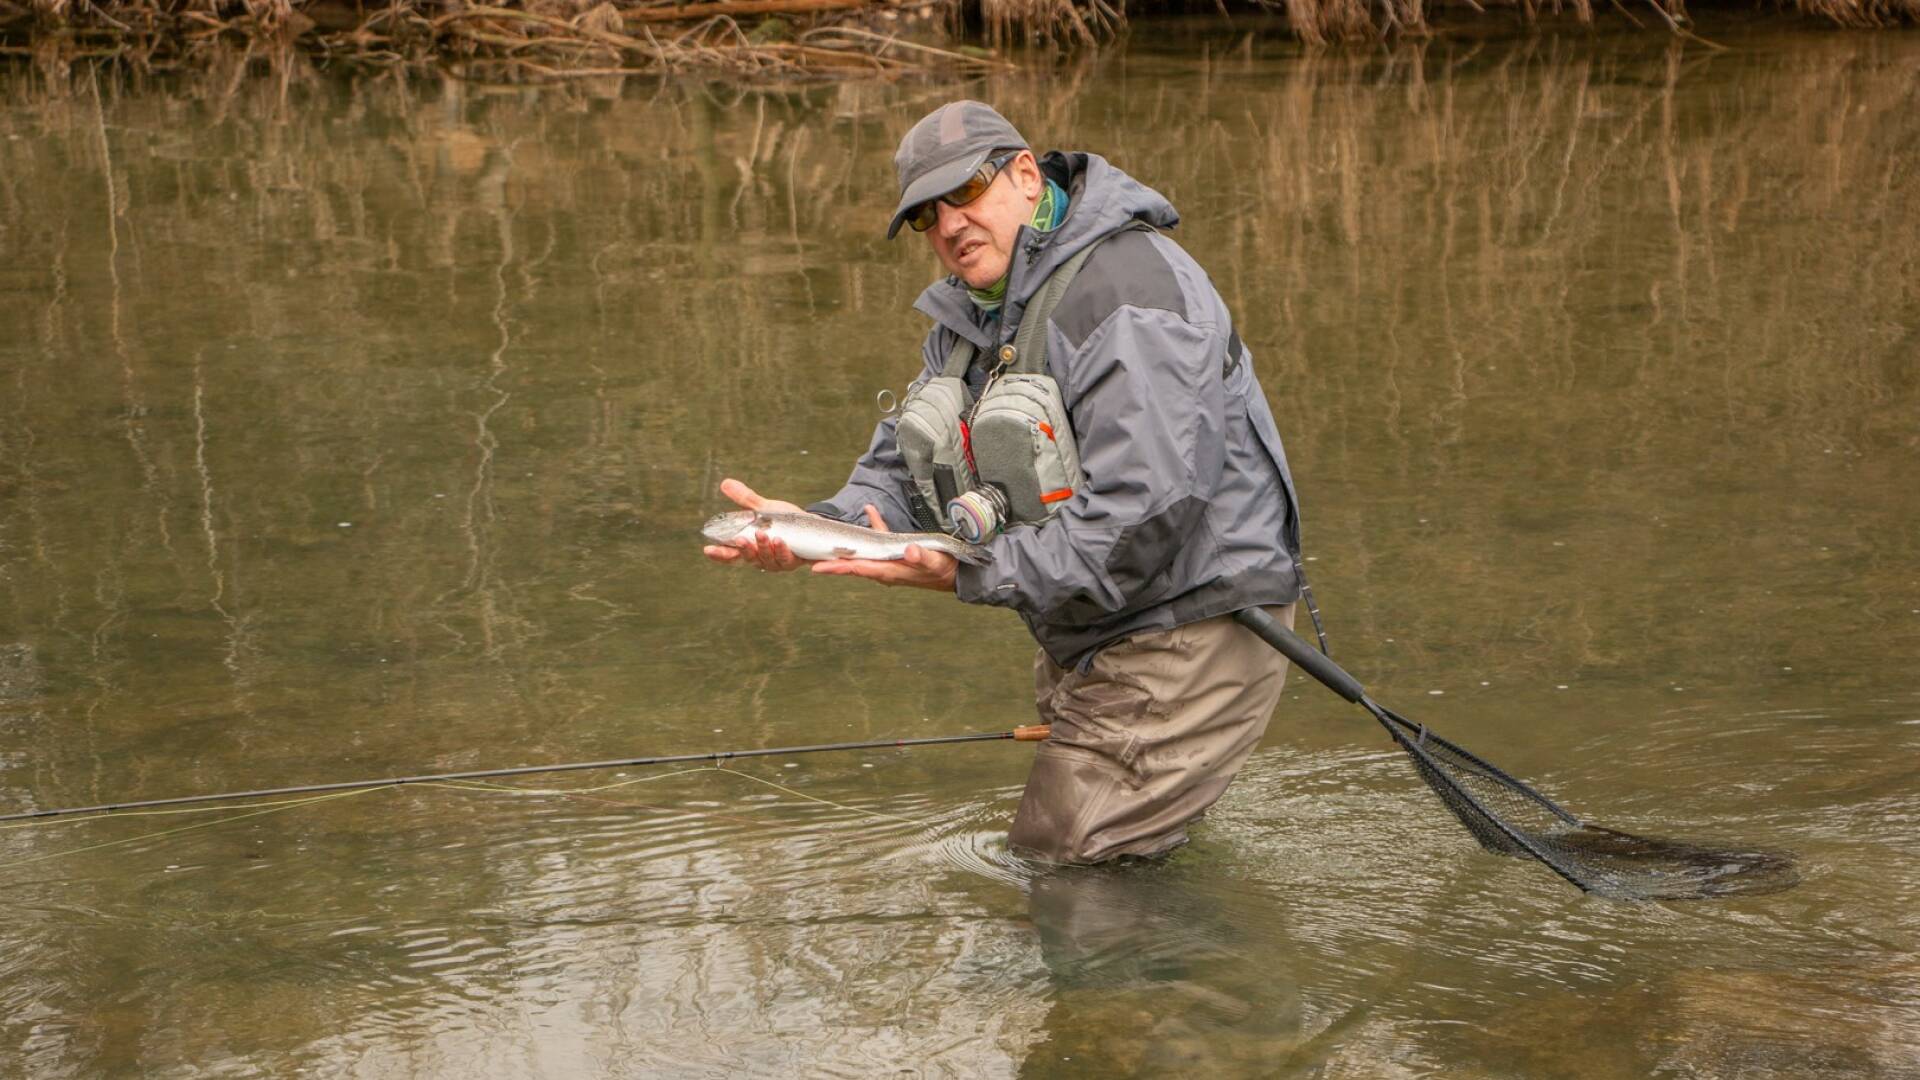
(1509, 818)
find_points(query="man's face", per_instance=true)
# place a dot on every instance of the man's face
(975, 241)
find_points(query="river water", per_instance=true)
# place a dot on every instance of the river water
(352, 427)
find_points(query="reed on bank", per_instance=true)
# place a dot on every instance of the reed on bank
(512, 40)
(543, 40)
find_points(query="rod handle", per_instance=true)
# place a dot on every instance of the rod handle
(1304, 656)
(1032, 733)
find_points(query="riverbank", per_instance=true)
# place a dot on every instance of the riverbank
(548, 40)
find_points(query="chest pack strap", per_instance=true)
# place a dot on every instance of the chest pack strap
(959, 359)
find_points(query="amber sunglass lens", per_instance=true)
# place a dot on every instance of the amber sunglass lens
(970, 190)
(922, 217)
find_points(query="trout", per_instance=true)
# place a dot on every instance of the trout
(816, 538)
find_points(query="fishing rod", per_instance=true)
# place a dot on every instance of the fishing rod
(1029, 733)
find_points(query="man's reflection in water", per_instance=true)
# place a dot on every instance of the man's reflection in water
(1161, 968)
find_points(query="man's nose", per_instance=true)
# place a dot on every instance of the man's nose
(950, 220)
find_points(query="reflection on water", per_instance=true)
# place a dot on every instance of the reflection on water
(1158, 970)
(358, 428)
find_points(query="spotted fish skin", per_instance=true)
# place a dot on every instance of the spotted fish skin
(816, 538)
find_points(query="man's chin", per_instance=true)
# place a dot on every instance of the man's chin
(975, 272)
(979, 279)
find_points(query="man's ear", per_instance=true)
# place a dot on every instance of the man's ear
(1026, 169)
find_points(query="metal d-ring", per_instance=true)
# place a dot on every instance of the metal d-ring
(886, 401)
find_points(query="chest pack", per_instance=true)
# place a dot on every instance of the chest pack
(979, 467)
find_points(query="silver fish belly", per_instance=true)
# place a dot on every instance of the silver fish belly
(815, 538)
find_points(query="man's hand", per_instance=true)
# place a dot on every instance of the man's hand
(759, 550)
(921, 568)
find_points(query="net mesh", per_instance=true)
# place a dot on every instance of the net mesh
(1509, 818)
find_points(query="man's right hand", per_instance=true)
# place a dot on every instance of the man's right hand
(759, 550)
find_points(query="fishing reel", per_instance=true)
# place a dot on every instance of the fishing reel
(979, 515)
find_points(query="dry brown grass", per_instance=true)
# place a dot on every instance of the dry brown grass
(1071, 23)
(546, 40)
(1862, 14)
(525, 40)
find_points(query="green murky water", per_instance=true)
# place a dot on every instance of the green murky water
(353, 428)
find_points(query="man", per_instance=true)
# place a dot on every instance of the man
(1185, 512)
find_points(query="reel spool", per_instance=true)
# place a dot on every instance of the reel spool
(978, 515)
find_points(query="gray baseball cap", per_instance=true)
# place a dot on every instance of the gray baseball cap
(944, 148)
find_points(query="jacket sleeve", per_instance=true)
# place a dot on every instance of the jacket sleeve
(1148, 411)
(880, 476)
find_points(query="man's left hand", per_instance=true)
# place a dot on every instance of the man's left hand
(921, 568)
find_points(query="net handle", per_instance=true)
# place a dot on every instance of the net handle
(1304, 656)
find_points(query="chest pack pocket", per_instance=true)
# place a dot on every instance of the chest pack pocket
(1008, 459)
(932, 440)
(1023, 446)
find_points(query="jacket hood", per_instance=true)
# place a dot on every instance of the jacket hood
(1101, 199)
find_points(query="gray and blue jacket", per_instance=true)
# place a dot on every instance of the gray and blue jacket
(1187, 510)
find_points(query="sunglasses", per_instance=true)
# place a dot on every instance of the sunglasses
(922, 217)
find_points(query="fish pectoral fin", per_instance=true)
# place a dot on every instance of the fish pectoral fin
(844, 553)
(972, 554)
